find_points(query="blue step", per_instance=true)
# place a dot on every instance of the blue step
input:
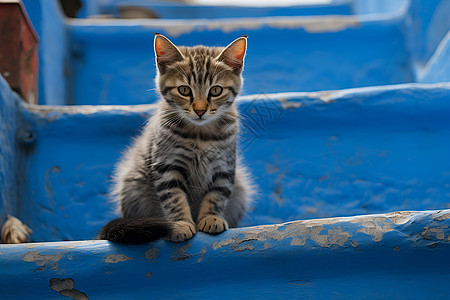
(389, 256)
(345, 132)
(313, 155)
(304, 53)
(179, 10)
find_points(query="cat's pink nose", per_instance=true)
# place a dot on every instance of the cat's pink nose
(200, 112)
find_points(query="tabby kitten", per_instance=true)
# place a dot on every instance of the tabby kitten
(182, 174)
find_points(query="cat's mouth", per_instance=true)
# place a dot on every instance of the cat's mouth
(200, 119)
(199, 116)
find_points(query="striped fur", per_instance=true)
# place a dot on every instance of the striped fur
(183, 169)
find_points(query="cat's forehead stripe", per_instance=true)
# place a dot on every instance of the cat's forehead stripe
(199, 66)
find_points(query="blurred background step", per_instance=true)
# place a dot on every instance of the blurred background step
(111, 61)
(210, 9)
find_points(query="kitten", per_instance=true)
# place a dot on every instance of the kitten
(182, 175)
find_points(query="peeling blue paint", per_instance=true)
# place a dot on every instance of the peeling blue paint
(179, 10)
(313, 155)
(409, 261)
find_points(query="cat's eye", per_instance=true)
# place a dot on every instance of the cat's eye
(216, 90)
(184, 90)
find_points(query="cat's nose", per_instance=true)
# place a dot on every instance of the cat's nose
(200, 112)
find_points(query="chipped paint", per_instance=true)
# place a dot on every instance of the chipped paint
(336, 237)
(222, 243)
(32, 245)
(298, 242)
(180, 253)
(66, 288)
(68, 247)
(115, 258)
(319, 240)
(375, 229)
(300, 232)
(317, 24)
(152, 254)
(43, 261)
(236, 244)
(323, 24)
(399, 217)
(432, 233)
(50, 113)
(228, 27)
(202, 254)
(442, 215)
(353, 243)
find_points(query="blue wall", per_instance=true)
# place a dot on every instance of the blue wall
(9, 127)
(438, 67)
(429, 24)
(366, 151)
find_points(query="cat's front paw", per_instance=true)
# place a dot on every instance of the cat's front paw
(182, 231)
(212, 224)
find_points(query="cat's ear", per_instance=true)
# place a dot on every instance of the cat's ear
(233, 55)
(166, 52)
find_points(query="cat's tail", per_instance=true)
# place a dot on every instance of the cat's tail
(135, 230)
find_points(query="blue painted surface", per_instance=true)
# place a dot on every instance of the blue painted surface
(345, 152)
(307, 56)
(377, 257)
(361, 151)
(429, 24)
(438, 67)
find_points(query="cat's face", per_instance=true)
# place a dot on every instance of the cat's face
(201, 83)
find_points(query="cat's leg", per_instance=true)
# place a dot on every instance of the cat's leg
(210, 218)
(239, 200)
(236, 207)
(170, 185)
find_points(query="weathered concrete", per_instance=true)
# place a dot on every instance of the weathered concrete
(395, 255)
